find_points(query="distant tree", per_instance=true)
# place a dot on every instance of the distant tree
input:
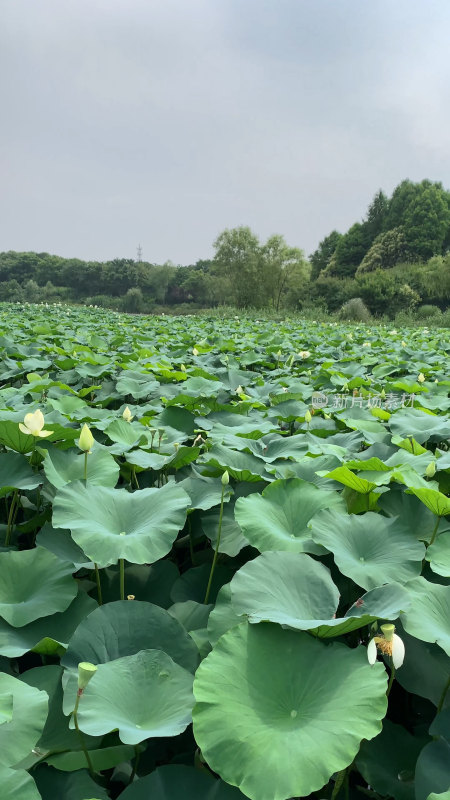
(133, 301)
(376, 215)
(388, 249)
(238, 259)
(281, 266)
(426, 222)
(320, 258)
(350, 251)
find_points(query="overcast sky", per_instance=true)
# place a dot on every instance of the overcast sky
(162, 122)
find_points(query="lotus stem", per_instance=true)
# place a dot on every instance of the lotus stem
(391, 680)
(11, 517)
(340, 778)
(216, 552)
(443, 696)
(122, 578)
(99, 586)
(80, 735)
(433, 536)
(85, 466)
(137, 754)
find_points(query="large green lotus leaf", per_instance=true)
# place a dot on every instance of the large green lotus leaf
(34, 583)
(125, 627)
(176, 781)
(436, 501)
(438, 554)
(192, 616)
(433, 769)
(223, 617)
(418, 518)
(191, 585)
(289, 588)
(65, 466)
(425, 670)
(348, 478)
(30, 708)
(240, 465)
(278, 519)
(388, 762)
(53, 784)
(6, 707)
(14, 439)
(368, 548)
(61, 544)
(45, 635)
(17, 785)
(16, 473)
(109, 524)
(417, 423)
(384, 602)
(204, 492)
(231, 539)
(143, 695)
(429, 614)
(104, 758)
(280, 697)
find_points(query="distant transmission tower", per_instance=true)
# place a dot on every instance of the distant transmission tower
(139, 252)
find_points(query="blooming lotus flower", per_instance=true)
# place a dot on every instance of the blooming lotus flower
(127, 415)
(366, 344)
(86, 439)
(389, 644)
(403, 343)
(421, 377)
(33, 425)
(239, 390)
(304, 354)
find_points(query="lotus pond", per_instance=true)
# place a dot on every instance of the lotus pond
(225, 558)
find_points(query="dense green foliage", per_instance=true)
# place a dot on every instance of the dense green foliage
(395, 260)
(208, 530)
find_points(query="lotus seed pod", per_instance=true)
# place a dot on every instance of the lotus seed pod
(388, 631)
(86, 671)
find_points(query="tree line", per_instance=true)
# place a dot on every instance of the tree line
(396, 258)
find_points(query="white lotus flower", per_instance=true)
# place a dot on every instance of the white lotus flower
(421, 377)
(194, 351)
(389, 644)
(33, 425)
(366, 344)
(304, 354)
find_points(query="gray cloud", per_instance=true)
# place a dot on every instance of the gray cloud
(165, 121)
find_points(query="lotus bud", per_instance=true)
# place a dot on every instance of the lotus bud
(225, 478)
(86, 439)
(383, 394)
(308, 417)
(403, 344)
(431, 469)
(127, 415)
(182, 368)
(194, 351)
(421, 377)
(86, 671)
(239, 390)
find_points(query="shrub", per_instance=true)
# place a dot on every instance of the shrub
(355, 310)
(428, 310)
